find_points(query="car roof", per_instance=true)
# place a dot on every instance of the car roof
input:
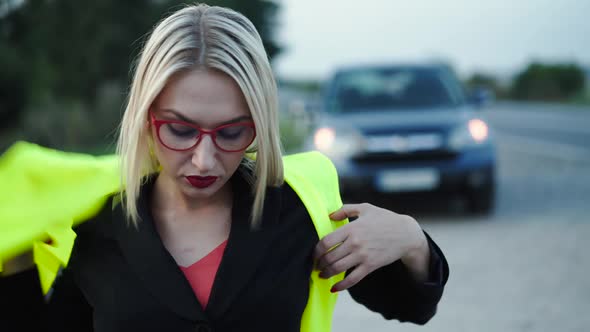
(384, 65)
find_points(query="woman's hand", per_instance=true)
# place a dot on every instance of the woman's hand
(377, 238)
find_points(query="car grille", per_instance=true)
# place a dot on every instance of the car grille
(430, 150)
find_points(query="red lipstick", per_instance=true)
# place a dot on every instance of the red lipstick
(201, 181)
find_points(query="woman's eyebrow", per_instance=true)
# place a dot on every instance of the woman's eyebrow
(178, 115)
(185, 119)
(238, 119)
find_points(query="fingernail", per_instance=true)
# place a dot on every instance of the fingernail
(333, 289)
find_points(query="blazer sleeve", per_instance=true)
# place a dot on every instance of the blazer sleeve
(392, 291)
(21, 303)
(67, 308)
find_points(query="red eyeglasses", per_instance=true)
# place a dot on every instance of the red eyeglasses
(182, 136)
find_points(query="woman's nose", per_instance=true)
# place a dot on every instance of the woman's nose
(204, 154)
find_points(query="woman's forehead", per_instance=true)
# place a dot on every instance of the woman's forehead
(171, 114)
(202, 95)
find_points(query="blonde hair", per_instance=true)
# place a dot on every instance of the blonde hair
(201, 36)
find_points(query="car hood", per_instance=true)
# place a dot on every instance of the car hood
(368, 120)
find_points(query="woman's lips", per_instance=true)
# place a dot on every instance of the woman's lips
(201, 181)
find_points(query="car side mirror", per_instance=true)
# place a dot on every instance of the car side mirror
(481, 97)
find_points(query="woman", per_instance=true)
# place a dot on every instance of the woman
(207, 235)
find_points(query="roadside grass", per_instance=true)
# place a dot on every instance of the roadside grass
(582, 98)
(293, 133)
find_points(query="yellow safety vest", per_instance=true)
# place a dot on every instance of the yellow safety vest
(46, 192)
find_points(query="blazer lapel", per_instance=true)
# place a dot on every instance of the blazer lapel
(245, 249)
(154, 266)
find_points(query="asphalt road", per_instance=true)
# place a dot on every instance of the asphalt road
(524, 268)
(550, 122)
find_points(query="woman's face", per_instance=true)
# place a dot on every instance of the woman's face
(208, 99)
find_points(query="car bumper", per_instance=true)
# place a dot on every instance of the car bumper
(469, 171)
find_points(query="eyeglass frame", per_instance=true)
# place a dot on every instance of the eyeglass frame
(158, 123)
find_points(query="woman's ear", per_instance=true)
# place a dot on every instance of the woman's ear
(154, 162)
(148, 120)
(150, 144)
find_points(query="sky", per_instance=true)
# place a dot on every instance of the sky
(498, 37)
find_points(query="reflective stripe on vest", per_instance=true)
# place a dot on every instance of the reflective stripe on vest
(314, 179)
(44, 193)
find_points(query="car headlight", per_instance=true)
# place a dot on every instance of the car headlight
(337, 144)
(474, 133)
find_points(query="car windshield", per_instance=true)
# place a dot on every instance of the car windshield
(392, 88)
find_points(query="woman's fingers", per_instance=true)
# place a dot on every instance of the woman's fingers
(378, 238)
(334, 255)
(351, 279)
(341, 265)
(347, 211)
(330, 241)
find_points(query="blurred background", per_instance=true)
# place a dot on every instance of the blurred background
(472, 116)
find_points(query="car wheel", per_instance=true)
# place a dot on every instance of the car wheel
(482, 201)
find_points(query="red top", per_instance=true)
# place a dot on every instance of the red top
(201, 274)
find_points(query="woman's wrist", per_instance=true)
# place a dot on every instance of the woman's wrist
(417, 258)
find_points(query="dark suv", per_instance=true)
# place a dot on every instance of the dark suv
(406, 128)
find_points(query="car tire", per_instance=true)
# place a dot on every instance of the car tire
(482, 201)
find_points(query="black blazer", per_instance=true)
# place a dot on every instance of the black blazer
(123, 279)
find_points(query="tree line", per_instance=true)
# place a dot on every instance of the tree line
(551, 82)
